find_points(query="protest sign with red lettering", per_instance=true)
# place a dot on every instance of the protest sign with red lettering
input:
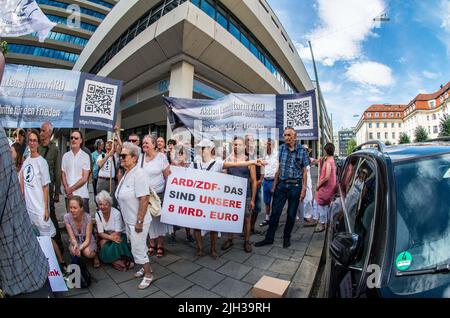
(55, 276)
(204, 200)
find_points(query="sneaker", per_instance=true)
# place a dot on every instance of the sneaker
(263, 242)
(139, 273)
(264, 223)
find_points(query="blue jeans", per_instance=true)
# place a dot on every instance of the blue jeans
(284, 192)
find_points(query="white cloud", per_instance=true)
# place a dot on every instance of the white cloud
(344, 25)
(330, 87)
(402, 60)
(371, 74)
(375, 99)
(445, 14)
(431, 75)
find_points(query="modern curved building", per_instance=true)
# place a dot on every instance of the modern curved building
(65, 43)
(190, 49)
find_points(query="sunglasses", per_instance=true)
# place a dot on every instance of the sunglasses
(74, 138)
(133, 140)
(124, 155)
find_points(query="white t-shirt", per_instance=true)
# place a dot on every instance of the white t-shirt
(107, 166)
(270, 169)
(73, 166)
(133, 185)
(217, 167)
(114, 224)
(154, 170)
(35, 176)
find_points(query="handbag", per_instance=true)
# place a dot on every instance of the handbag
(154, 204)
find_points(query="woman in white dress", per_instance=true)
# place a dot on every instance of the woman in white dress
(156, 166)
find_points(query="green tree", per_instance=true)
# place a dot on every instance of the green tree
(351, 146)
(388, 143)
(404, 139)
(4, 47)
(420, 134)
(445, 126)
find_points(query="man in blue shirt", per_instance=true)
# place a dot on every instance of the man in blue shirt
(289, 185)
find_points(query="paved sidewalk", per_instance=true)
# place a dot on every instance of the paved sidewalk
(182, 274)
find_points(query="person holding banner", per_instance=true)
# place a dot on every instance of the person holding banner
(247, 172)
(210, 163)
(107, 170)
(156, 166)
(34, 184)
(290, 185)
(75, 168)
(133, 193)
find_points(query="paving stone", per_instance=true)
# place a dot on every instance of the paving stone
(263, 250)
(210, 262)
(284, 267)
(73, 292)
(86, 295)
(255, 275)
(297, 290)
(158, 294)
(173, 284)
(183, 268)
(236, 255)
(206, 278)
(307, 271)
(260, 261)
(281, 253)
(314, 251)
(159, 271)
(235, 270)
(99, 273)
(287, 277)
(121, 296)
(232, 288)
(120, 277)
(105, 288)
(131, 288)
(299, 246)
(197, 292)
(297, 256)
(167, 259)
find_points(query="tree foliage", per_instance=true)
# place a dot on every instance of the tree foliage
(404, 139)
(420, 134)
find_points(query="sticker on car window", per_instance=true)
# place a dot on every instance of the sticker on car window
(447, 174)
(403, 261)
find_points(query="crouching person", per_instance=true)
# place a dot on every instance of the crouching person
(114, 248)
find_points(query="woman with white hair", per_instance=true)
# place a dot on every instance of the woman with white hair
(133, 195)
(156, 166)
(111, 231)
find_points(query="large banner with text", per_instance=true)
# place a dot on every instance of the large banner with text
(238, 114)
(31, 95)
(55, 276)
(192, 200)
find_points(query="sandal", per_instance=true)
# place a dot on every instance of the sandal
(200, 253)
(151, 251)
(319, 228)
(309, 223)
(96, 262)
(139, 273)
(227, 244)
(145, 283)
(214, 255)
(247, 247)
(160, 252)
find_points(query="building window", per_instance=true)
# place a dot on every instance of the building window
(378, 135)
(370, 125)
(435, 129)
(385, 125)
(369, 115)
(432, 103)
(221, 18)
(398, 114)
(428, 117)
(393, 135)
(399, 125)
(392, 125)
(434, 116)
(429, 129)
(391, 115)
(377, 115)
(384, 115)
(385, 135)
(378, 125)
(370, 135)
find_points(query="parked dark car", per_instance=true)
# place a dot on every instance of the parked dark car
(390, 233)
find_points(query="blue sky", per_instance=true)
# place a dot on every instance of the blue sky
(361, 62)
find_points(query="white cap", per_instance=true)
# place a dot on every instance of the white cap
(206, 143)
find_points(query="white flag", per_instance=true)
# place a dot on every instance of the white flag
(21, 17)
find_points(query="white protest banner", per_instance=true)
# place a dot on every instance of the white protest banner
(204, 200)
(22, 17)
(55, 276)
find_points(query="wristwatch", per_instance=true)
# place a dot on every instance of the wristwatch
(140, 221)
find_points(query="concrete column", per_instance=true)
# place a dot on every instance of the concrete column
(181, 84)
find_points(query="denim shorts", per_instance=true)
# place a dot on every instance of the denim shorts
(267, 191)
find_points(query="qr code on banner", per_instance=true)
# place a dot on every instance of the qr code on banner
(98, 100)
(298, 114)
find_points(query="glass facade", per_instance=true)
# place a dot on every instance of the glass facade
(62, 20)
(58, 4)
(102, 3)
(216, 11)
(41, 51)
(65, 38)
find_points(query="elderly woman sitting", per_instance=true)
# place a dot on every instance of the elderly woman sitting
(114, 248)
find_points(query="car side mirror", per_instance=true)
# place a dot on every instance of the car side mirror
(344, 248)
